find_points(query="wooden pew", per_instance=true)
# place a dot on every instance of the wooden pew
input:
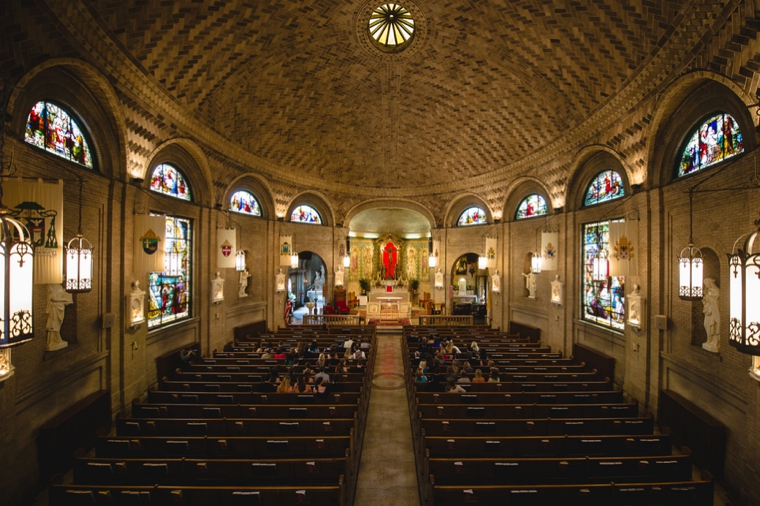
(480, 398)
(284, 411)
(495, 411)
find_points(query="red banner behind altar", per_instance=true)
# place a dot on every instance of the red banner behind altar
(390, 259)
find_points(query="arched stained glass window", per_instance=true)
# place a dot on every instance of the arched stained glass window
(169, 181)
(170, 290)
(603, 302)
(607, 185)
(472, 216)
(306, 214)
(52, 128)
(245, 203)
(715, 140)
(532, 205)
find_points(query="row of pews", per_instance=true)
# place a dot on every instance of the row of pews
(550, 431)
(217, 433)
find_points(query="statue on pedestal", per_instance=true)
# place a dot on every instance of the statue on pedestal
(557, 287)
(136, 304)
(339, 276)
(530, 284)
(58, 299)
(496, 282)
(243, 282)
(439, 279)
(712, 316)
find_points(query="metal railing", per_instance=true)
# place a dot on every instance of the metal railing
(330, 319)
(447, 320)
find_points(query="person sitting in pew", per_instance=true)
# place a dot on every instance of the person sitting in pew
(494, 375)
(464, 377)
(322, 375)
(453, 388)
(478, 377)
(267, 354)
(342, 367)
(228, 347)
(321, 387)
(359, 354)
(284, 387)
(419, 377)
(300, 386)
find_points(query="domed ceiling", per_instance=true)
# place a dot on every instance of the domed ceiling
(480, 85)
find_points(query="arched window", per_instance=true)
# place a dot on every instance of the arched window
(306, 214)
(530, 206)
(607, 185)
(52, 128)
(715, 140)
(472, 216)
(245, 203)
(170, 289)
(169, 181)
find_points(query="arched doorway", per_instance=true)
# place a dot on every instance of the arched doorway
(470, 288)
(306, 283)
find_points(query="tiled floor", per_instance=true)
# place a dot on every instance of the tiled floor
(387, 474)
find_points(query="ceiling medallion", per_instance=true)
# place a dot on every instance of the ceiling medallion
(391, 26)
(391, 31)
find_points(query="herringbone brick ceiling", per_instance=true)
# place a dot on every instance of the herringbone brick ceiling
(483, 84)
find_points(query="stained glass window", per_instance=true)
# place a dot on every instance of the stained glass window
(715, 140)
(472, 216)
(244, 202)
(603, 301)
(391, 25)
(607, 185)
(170, 290)
(532, 205)
(306, 214)
(52, 128)
(169, 181)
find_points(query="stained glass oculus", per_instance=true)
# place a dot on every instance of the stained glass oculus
(715, 140)
(391, 25)
(169, 181)
(52, 128)
(472, 216)
(306, 214)
(170, 289)
(607, 185)
(245, 203)
(603, 302)
(532, 205)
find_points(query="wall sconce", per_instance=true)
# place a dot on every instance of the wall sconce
(690, 266)
(482, 262)
(240, 261)
(79, 258)
(744, 293)
(17, 273)
(347, 257)
(294, 260)
(535, 262)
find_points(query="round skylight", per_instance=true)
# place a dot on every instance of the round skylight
(391, 26)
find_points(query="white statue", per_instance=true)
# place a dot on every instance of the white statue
(530, 284)
(58, 299)
(439, 279)
(243, 282)
(319, 282)
(557, 287)
(217, 288)
(496, 282)
(712, 316)
(6, 368)
(339, 276)
(136, 304)
(280, 281)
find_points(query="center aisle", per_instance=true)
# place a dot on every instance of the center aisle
(387, 472)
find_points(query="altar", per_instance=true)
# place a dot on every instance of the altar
(389, 307)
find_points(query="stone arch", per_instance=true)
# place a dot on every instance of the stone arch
(590, 162)
(318, 202)
(255, 184)
(686, 102)
(87, 94)
(521, 189)
(186, 156)
(458, 205)
(385, 203)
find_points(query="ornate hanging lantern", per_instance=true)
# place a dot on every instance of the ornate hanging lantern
(294, 260)
(79, 258)
(744, 293)
(690, 273)
(535, 262)
(16, 273)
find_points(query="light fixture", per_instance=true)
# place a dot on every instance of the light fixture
(79, 258)
(690, 266)
(601, 267)
(482, 262)
(240, 261)
(294, 260)
(535, 262)
(17, 274)
(347, 256)
(744, 293)
(432, 260)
